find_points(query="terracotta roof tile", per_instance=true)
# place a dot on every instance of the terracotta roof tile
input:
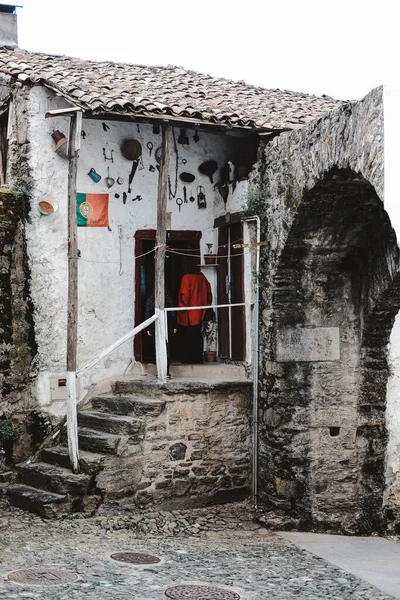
(107, 87)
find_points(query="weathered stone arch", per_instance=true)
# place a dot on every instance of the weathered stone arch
(328, 306)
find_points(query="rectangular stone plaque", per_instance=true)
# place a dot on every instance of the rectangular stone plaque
(308, 344)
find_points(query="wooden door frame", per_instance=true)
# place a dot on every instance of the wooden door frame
(150, 235)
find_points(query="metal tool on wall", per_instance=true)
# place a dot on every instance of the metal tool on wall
(132, 174)
(224, 192)
(185, 200)
(111, 157)
(150, 148)
(109, 181)
(179, 202)
(172, 194)
(191, 197)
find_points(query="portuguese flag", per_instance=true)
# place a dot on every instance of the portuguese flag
(92, 210)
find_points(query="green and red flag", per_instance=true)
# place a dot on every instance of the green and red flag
(92, 210)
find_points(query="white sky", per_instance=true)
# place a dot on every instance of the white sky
(335, 47)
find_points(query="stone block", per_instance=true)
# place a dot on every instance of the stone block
(308, 344)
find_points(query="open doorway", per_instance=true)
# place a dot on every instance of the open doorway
(181, 244)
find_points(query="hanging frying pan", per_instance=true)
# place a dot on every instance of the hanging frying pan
(208, 168)
(109, 181)
(131, 149)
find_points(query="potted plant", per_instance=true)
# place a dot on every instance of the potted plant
(210, 258)
(209, 331)
(8, 436)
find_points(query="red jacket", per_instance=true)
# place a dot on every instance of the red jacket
(195, 290)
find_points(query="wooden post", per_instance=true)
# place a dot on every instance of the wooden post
(161, 240)
(72, 308)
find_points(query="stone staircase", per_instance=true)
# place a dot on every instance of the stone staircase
(143, 443)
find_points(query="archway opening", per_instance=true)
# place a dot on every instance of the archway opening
(323, 434)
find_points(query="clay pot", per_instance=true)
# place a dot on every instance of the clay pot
(210, 259)
(210, 356)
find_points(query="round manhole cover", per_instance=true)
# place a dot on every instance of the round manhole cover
(136, 558)
(200, 592)
(42, 576)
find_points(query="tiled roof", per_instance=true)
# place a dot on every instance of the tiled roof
(119, 88)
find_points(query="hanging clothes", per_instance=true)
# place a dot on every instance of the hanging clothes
(195, 290)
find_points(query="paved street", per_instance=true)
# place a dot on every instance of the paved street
(220, 547)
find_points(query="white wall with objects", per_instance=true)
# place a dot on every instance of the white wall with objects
(106, 260)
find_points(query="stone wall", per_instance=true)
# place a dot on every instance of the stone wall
(17, 345)
(195, 449)
(327, 308)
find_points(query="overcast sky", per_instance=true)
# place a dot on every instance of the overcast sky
(339, 48)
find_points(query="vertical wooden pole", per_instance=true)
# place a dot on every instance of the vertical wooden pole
(72, 308)
(161, 240)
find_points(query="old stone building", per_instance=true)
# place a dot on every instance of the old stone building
(329, 302)
(294, 410)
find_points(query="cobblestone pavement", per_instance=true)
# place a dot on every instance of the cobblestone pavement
(218, 546)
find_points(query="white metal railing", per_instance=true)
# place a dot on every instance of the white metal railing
(124, 338)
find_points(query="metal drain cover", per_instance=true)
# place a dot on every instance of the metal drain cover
(42, 576)
(136, 558)
(200, 592)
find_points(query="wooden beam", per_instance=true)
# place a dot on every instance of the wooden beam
(63, 112)
(161, 239)
(72, 297)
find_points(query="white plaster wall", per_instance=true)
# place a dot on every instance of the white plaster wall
(392, 156)
(107, 263)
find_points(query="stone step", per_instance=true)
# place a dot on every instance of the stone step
(207, 371)
(53, 478)
(128, 405)
(90, 462)
(46, 504)
(98, 441)
(110, 423)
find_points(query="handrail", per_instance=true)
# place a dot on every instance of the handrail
(115, 345)
(142, 326)
(206, 306)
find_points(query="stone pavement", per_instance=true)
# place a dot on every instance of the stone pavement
(219, 546)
